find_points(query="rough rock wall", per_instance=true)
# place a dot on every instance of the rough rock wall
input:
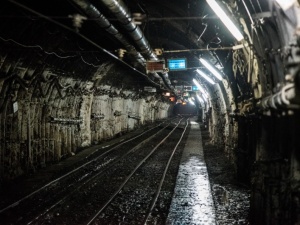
(45, 118)
(259, 131)
(266, 153)
(222, 128)
(275, 172)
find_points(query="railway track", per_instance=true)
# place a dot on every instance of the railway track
(87, 194)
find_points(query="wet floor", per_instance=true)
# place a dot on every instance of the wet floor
(192, 201)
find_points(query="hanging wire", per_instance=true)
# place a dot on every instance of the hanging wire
(248, 12)
(37, 46)
(259, 5)
(48, 53)
(253, 7)
(204, 24)
(216, 55)
(212, 42)
(90, 64)
(96, 57)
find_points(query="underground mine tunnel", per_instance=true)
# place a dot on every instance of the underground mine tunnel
(93, 91)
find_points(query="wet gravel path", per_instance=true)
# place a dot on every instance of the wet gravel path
(192, 202)
(231, 198)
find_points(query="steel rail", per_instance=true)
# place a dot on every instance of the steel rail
(72, 171)
(164, 175)
(111, 165)
(131, 174)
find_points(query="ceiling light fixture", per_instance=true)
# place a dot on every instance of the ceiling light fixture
(201, 89)
(205, 77)
(211, 69)
(201, 100)
(225, 19)
(191, 101)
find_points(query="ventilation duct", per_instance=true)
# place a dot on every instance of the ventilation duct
(123, 14)
(104, 23)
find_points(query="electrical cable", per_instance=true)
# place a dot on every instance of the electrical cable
(250, 17)
(251, 3)
(259, 6)
(37, 46)
(205, 24)
(90, 64)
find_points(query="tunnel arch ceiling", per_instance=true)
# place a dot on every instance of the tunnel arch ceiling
(77, 38)
(183, 32)
(85, 62)
(188, 25)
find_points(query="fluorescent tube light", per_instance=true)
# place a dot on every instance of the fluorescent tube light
(191, 101)
(200, 99)
(211, 69)
(205, 76)
(225, 19)
(200, 88)
(197, 84)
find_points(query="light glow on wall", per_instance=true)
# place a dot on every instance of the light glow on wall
(200, 88)
(211, 69)
(191, 101)
(205, 76)
(201, 100)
